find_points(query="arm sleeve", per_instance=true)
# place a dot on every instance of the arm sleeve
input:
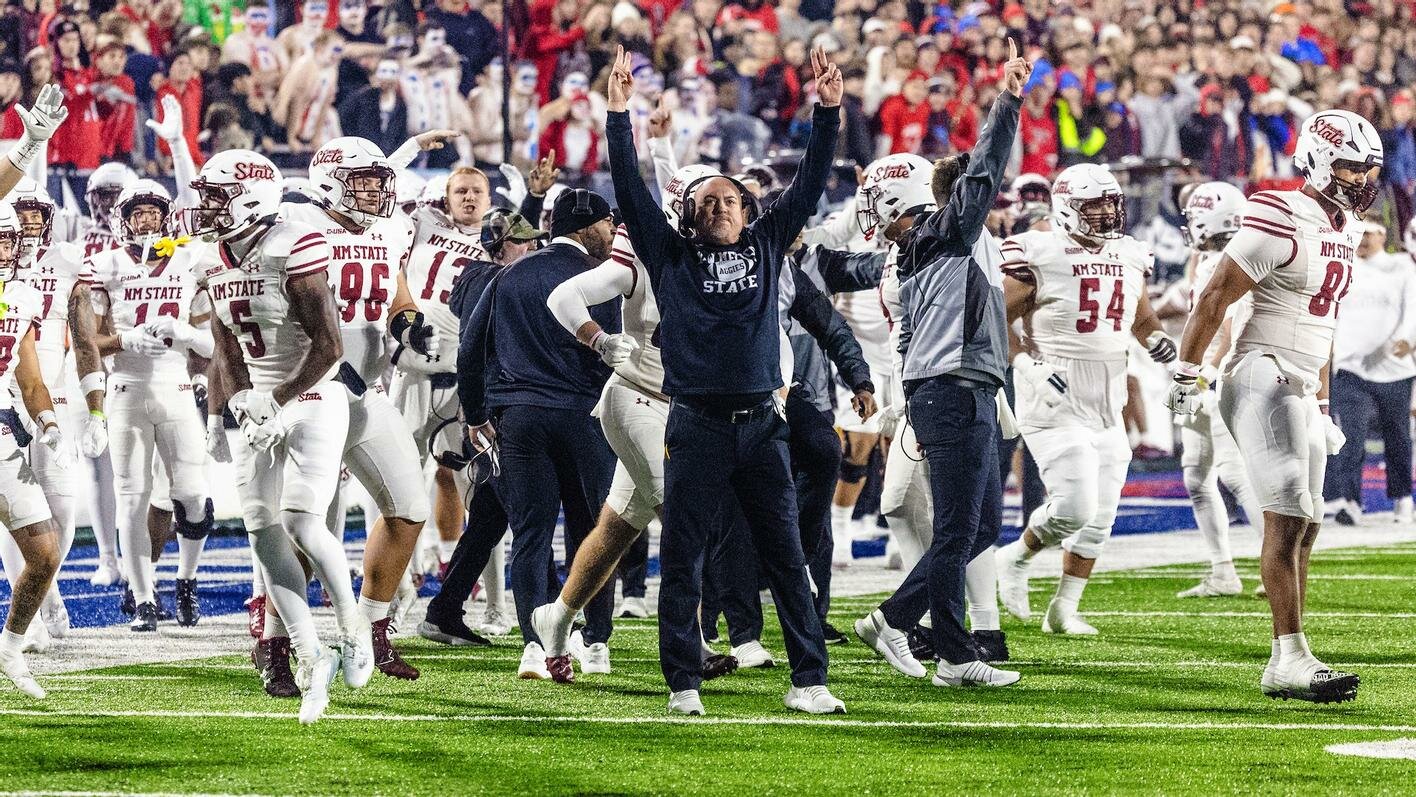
(406, 153)
(1267, 237)
(961, 220)
(184, 170)
(571, 300)
(819, 318)
(648, 229)
(836, 232)
(665, 162)
(848, 272)
(472, 354)
(789, 214)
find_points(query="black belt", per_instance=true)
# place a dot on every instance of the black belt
(728, 414)
(351, 379)
(967, 383)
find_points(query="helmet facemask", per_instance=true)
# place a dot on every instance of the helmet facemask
(9, 255)
(1349, 195)
(127, 229)
(36, 232)
(362, 199)
(868, 217)
(1100, 218)
(211, 219)
(101, 201)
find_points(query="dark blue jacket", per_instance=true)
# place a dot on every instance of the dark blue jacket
(718, 304)
(513, 352)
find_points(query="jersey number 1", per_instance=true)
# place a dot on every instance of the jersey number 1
(1115, 309)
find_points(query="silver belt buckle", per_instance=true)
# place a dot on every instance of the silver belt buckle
(742, 416)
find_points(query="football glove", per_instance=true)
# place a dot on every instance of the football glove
(1161, 347)
(138, 341)
(1186, 387)
(614, 348)
(53, 439)
(412, 330)
(94, 437)
(216, 445)
(1333, 434)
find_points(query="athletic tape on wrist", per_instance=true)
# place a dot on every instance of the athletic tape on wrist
(47, 419)
(97, 380)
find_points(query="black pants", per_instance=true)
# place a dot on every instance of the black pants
(634, 567)
(958, 428)
(1354, 403)
(539, 448)
(732, 580)
(816, 460)
(709, 459)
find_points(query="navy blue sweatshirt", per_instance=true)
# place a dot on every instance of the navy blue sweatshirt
(718, 304)
(513, 352)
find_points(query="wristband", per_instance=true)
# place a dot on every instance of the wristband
(99, 415)
(24, 152)
(1322, 402)
(596, 338)
(47, 419)
(97, 380)
(1186, 371)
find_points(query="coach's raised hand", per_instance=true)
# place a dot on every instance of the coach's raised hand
(829, 84)
(621, 82)
(1016, 71)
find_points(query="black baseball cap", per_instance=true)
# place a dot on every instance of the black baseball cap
(575, 209)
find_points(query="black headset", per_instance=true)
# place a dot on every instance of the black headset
(582, 202)
(750, 207)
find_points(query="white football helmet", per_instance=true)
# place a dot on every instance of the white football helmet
(140, 192)
(1087, 202)
(1330, 138)
(408, 189)
(337, 166)
(30, 195)
(10, 233)
(104, 185)
(676, 189)
(434, 193)
(1031, 187)
(235, 189)
(894, 185)
(1212, 214)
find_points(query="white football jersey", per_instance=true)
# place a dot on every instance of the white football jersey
(1238, 313)
(645, 366)
(85, 233)
(24, 307)
(441, 248)
(138, 293)
(55, 271)
(1085, 301)
(363, 273)
(252, 299)
(1302, 268)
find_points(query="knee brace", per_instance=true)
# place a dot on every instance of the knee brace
(1087, 543)
(194, 528)
(1052, 523)
(851, 472)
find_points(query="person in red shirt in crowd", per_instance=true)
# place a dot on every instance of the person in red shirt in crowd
(755, 10)
(963, 119)
(903, 117)
(141, 13)
(573, 142)
(76, 145)
(1037, 127)
(12, 87)
(553, 31)
(185, 84)
(117, 100)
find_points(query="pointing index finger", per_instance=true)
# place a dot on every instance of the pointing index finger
(1012, 49)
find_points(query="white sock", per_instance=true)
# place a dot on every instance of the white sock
(10, 558)
(842, 531)
(285, 585)
(445, 549)
(1211, 517)
(1017, 552)
(1291, 646)
(258, 587)
(562, 615)
(1069, 591)
(102, 506)
(137, 546)
(1225, 570)
(981, 591)
(274, 625)
(189, 552)
(11, 642)
(372, 609)
(494, 578)
(327, 558)
(62, 508)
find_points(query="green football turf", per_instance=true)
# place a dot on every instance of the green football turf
(1166, 701)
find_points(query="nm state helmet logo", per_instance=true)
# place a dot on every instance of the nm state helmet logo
(1062, 187)
(1327, 131)
(328, 156)
(893, 171)
(254, 171)
(1203, 202)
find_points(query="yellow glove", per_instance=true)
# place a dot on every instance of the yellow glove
(165, 246)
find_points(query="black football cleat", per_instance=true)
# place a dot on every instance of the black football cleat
(189, 611)
(144, 618)
(279, 680)
(386, 657)
(992, 645)
(718, 665)
(452, 631)
(128, 605)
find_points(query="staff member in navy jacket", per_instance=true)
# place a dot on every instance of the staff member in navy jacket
(716, 281)
(527, 384)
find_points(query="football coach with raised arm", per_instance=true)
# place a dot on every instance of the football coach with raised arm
(716, 281)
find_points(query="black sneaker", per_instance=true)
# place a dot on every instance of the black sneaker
(922, 644)
(144, 618)
(833, 635)
(188, 610)
(128, 605)
(992, 645)
(718, 665)
(451, 632)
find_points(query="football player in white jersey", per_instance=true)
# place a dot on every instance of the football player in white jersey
(144, 301)
(1084, 285)
(369, 247)
(1293, 253)
(1212, 214)
(277, 345)
(24, 512)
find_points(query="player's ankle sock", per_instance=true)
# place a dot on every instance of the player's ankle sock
(981, 592)
(285, 589)
(1293, 646)
(562, 615)
(445, 549)
(372, 609)
(1225, 570)
(189, 552)
(1017, 552)
(274, 626)
(11, 642)
(841, 525)
(137, 548)
(1275, 654)
(1069, 591)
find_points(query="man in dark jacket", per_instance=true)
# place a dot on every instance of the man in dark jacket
(469, 33)
(377, 112)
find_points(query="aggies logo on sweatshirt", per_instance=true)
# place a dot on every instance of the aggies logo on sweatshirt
(732, 270)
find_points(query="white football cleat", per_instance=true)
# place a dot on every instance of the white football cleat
(686, 702)
(556, 639)
(533, 663)
(107, 574)
(973, 673)
(813, 700)
(752, 654)
(1402, 512)
(890, 643)
(1306, 678)
(633, 607)
(37, 637)
(1063, 621)
(1013, 586)
(357, 652)
(494, 622)
(15, 668)
(1213, 587)
(314, 678)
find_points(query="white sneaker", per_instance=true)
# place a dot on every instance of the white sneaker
(533, 663)
(973, 673)
(752, 654)
(555, 638)
(107, 574)
(428, 560)
(15, 668)
(1213, 586)
(314, 678)
(595, 659)
(494, 622)
(1402, 512)
(1306, 678)
(37, 637)
(633, 607)
(1013, 585)
(813, 700)
(357, 652)
(686, 702)
(890, 643)
(1063, 621)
